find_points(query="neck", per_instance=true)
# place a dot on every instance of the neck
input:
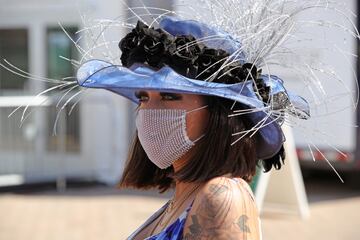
(185, 159)
(180, 186)
(179, 164)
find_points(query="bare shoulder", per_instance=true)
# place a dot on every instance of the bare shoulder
(223, 209)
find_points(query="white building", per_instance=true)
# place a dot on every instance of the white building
(92, 143)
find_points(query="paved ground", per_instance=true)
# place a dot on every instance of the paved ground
(98, 212)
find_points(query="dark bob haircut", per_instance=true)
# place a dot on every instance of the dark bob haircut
(213, 154)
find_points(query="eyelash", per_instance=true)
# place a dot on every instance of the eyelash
(164, 97)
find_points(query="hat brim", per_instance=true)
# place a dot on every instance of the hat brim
(126, 81)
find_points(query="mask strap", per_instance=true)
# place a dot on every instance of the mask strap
(197, 109)
(193, 111)
(199, 138)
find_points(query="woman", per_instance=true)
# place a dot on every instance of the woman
(211, 200)
(203, 124)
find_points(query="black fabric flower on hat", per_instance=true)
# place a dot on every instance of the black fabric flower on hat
(212, 64)
(187, 57)
(183, 55)
(145, 45)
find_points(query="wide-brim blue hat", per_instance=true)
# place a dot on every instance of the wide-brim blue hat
(265, 117)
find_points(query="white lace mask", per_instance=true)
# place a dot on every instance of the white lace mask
(162, 134)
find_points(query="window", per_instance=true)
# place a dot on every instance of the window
(14, 48)
(59, 46)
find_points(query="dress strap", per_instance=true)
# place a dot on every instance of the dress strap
(189, 207)
(149, 221)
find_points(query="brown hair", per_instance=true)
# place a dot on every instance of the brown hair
(214, 156)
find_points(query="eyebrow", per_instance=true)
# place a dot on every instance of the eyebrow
(144, 93)
(168, 93)
(138, 93)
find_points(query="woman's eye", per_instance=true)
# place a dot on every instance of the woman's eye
(164, 96)
(168, 97)
(140, 97)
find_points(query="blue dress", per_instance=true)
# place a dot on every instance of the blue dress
(171, 232)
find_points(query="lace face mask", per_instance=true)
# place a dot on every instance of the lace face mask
(162, 134)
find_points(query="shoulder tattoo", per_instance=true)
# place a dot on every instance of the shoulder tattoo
(215, 218)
